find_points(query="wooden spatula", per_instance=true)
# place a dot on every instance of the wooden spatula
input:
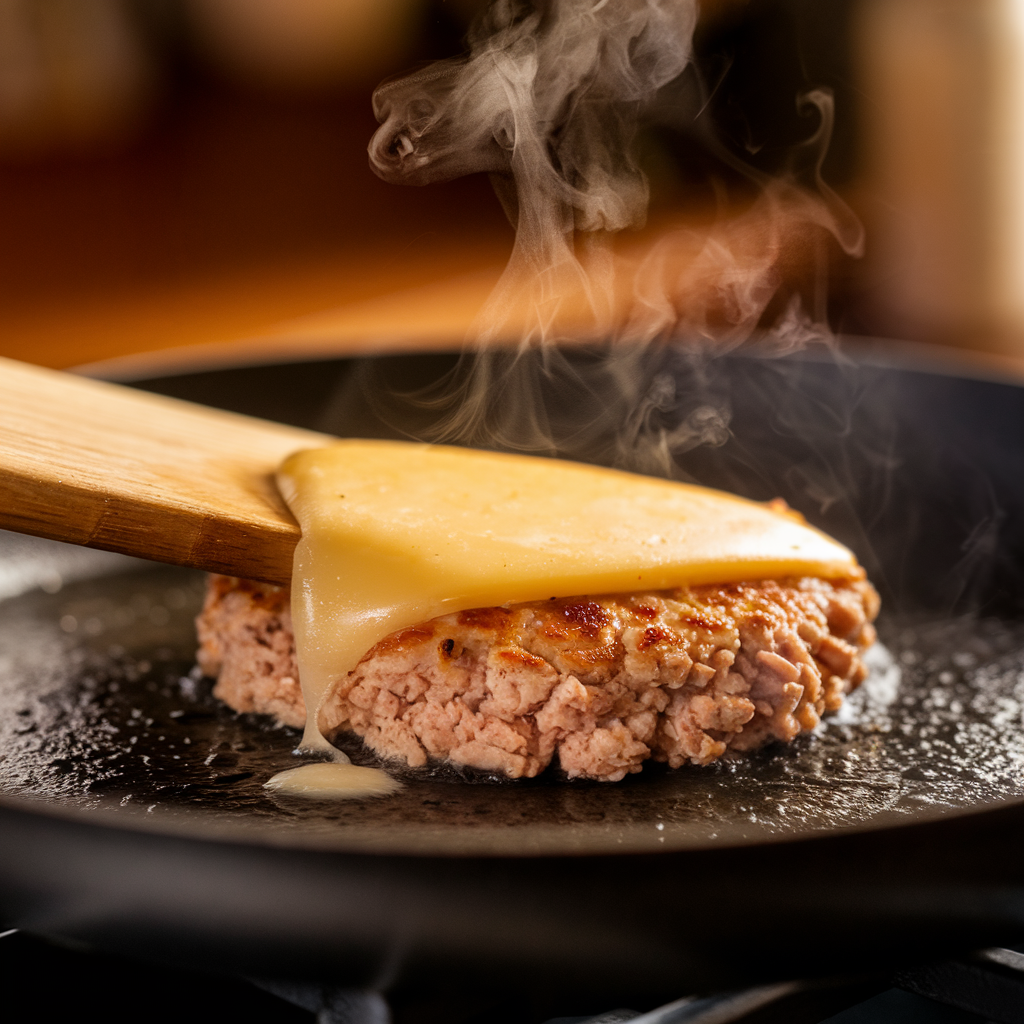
(110, 467)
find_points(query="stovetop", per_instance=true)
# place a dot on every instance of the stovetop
(71, 981)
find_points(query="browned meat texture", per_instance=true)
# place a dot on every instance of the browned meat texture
(246, 643)
(603, 682)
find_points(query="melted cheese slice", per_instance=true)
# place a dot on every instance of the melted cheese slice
(395, 533)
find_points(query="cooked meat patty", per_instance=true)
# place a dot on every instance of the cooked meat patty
(246, 643)
(605, 682)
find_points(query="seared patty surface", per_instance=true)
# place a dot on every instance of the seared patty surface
(604, 682)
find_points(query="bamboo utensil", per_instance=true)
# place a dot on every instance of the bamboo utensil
(110, 467)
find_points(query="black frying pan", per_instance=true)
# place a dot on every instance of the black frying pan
(132, 812)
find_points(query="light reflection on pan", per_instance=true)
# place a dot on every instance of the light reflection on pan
(103, 710)
(101, 707)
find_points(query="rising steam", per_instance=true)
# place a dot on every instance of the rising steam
(549, 102)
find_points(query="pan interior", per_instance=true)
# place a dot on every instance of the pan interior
(103, 713)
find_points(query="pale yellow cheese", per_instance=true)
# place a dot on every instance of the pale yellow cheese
(331, 781)
(395, 533)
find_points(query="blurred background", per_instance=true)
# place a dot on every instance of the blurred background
(192, 174)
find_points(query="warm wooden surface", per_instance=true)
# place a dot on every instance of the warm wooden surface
(233, 214)
(108, 467)
(333, 306)
(435, 317)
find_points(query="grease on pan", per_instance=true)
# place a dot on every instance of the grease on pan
(110, 719)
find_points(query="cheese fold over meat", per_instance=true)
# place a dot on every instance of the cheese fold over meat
(396, 534)
(603, 683)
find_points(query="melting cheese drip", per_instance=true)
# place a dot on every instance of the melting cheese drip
(334, 781)
(395, 533)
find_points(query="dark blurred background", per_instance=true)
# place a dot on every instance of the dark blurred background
(186, 172)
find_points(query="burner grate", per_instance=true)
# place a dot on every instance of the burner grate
(987, 986)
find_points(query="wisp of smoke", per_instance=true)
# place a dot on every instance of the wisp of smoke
(549, 101)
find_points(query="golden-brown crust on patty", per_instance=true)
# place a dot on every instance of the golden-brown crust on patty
(605, 682)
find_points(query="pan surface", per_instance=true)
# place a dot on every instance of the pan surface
(113, 751)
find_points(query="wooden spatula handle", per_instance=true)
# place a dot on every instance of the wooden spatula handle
(111, 467)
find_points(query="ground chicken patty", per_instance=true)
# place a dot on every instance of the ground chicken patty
(605, 682)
